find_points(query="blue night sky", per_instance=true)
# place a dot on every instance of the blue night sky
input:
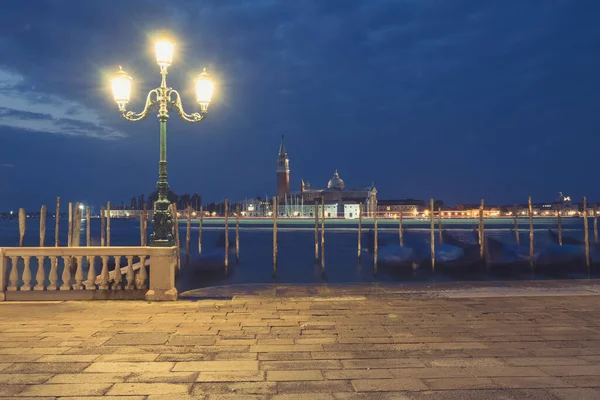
(451, 99)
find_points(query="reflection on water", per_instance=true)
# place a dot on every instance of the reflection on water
(296, 253)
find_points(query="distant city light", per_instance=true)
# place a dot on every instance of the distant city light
(81, 206)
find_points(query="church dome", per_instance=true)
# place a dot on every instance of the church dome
(336, 182)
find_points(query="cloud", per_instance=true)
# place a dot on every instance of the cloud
(25, 108)
(7, 165)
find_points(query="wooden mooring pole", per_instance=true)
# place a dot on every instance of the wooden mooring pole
(400, 230)
(322, 235)
(360, 213)
(88, 227)
(200, 230)
(586, 235)
(77, 216)
(531, 238)
(175, 219)
(317, 232)
(22, 222)
(595, 223)
(481, 231)
(440, 228)
(108, 223)
(42, 226)
(226, 204)
(275, 211)
(102, 226)
(432, 234)
(40, 276)
(376, 238)
(516, 218)
(70, 228)
(237, 234)
(57, 219)
(188, 234)
(559, 220)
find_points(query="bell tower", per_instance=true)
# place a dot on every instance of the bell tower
(283, 171)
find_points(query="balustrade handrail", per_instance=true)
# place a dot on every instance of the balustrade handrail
(159, 284)
(85, 251)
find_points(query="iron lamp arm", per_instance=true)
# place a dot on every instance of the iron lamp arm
(176, 103)
(133, 116)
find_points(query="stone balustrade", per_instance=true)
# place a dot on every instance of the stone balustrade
(87, 273)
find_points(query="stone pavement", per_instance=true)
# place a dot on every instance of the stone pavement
(458, 341)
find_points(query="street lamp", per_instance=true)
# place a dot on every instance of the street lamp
(162, 99)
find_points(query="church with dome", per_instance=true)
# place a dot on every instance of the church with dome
(340, 201)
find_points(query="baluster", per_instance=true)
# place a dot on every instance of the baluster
(141, 277)
(66, 275)
(40, 275)
(130, 275)
(90, 284)
(14, 274)
(118, 276)
(26, 274)
(53, 276)
(79, 274)
(104, 274)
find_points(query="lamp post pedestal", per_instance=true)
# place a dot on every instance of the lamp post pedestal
(162, 220)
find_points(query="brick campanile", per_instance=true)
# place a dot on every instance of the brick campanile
(283, 172)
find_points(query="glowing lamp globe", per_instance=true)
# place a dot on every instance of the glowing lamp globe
(121, 87)
(164, 53)
(204, 90)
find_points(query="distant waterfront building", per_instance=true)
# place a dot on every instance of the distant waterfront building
(339, 201)
(283, 172)
(408, 207)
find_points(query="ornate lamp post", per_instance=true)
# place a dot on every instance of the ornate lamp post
(162, 99)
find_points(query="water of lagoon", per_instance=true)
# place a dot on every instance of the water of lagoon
(296, 255)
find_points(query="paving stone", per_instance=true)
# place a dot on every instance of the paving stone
(273, 348)
(387, 385)
(572, 370)
(10, 390)
(23, 379)
(460, 383)
(216, 366)
(3, 366)
(464, 362)
(61, 358)
(506, 371)
(431, 372)
(358, 374)
(321, 386)
(299, 365)
(227, 376)
(283, 356)
(40, 368)
(191, 340)
(75, 389)
(120, 389)
(382, 363)
(234, 387)
(112, 377)
(369, 396)
(575, 394)
(136, 339)
(303, 396)
(130, 367)
(166, 377)
(302, 375)
(536, 361)
(531, 382)
(582, 381)
(127, 357)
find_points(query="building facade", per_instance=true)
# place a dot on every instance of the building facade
(283, 172)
